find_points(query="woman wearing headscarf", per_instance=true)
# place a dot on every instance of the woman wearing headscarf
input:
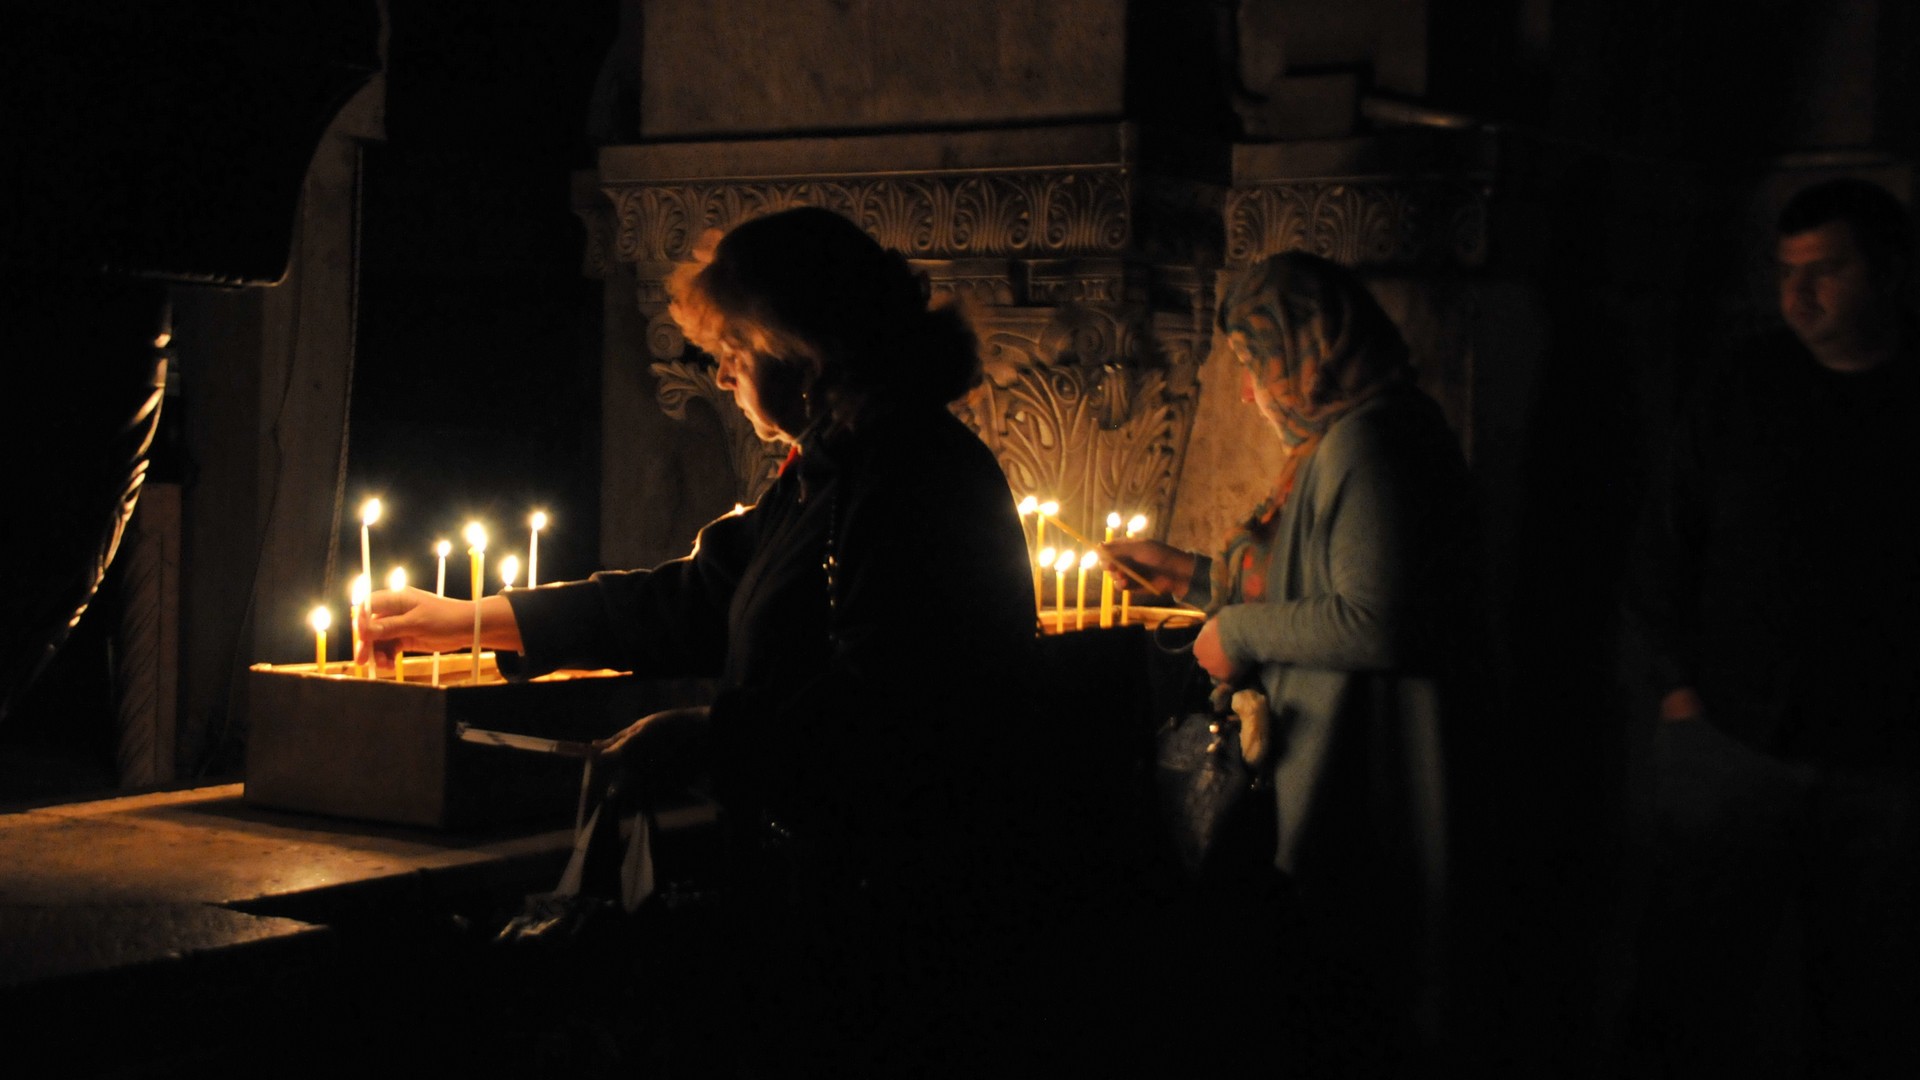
(1339, 621)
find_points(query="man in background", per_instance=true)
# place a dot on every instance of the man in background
(1777, 597)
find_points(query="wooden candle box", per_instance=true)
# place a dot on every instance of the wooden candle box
(454, 756)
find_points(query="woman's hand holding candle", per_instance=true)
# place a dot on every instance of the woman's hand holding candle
(415, 620)
(1154, 566)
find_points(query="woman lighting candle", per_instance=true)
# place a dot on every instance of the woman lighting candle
(476, 553)
(321, 618)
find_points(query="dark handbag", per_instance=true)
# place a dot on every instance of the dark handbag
(1201, 780)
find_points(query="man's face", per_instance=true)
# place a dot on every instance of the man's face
(1827, 292)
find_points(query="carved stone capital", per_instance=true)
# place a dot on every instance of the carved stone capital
(1029, 212)
(1361, 223)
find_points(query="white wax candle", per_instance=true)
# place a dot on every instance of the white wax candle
(539, 521)
(441, 549)
(397, 581)
(357, 595)
(369, 513)
(476, 553)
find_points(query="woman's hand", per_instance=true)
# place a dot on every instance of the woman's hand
(418, 621)
(1163, 567)
(1212, 656)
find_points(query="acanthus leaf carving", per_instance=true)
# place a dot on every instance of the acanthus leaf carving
(936, 215)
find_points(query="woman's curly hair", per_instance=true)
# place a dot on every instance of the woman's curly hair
(824, 311)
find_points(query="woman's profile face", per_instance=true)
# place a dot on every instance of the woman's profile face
(737, 374)
(1252, 390)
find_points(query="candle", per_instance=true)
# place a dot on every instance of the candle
(539, 521)
(1087, 562)
(1027, 507)
(357, 596)
(397, 581)
(509, 570)
(1042, 561)
(442, 549)
(1046, 510)
(1106, 579)
(476, 551)
(321, 619)
(369, 513)
(1136, 525)
(1060, 567)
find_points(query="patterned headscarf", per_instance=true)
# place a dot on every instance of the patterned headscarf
(1318, 344)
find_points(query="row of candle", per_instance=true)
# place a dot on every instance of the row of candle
(1064, 560)
(321, 619)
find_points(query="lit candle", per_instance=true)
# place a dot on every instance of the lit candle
(1046, 510)
(369, 513)
(509, 570)
(1042, 561)
(1087, 562)
(321, 619)
(1027, 507)
(357, 595)
(1060, 567)
(539, 521)
(476, 551)
(1106, 579)
(1136, 525)
(442, 549)
(397, 580)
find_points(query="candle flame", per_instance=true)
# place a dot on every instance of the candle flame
(476, 535)
(1028, 505)
(738, 509)
(1046, 556)
(361, 589)
(1050, 508)
(1137, 524)
(397, 580)
(509, 569)
(370, 511)
(320, 618)
(443, 548)
(1090, 560)
(1113, 520)
(1065, 562)
(539, 520)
